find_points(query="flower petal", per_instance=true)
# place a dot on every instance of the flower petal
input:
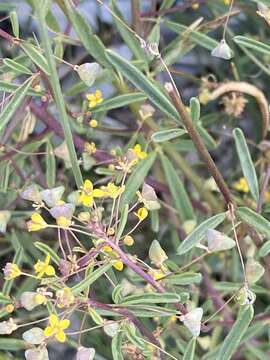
(48, 331)
(53, 319)
(64, 324)
(60, 336)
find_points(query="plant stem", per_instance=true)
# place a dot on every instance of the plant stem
(195, 137)
(54, 81)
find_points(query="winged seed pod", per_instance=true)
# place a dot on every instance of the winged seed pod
(85, 353)
(31, 193)
(216, 241)
(222, 51)
(4, 219)
(192, 321)
(52, 196)
(156, 254)
(148, 197)
(88, 72)
(254, 270)
(34, 336)
(40, 353)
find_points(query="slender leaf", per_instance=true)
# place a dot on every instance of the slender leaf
(123, 221)
(116, 345)
(35, 55)
(92, 277)
(195, 109)
(184, 279)
(140, 81)
(252, 44)
(17, 67)
(166, 135)
(14, 103)
(232, 340)
(179, 195)
(254, 220)
(198, 234)
(13, 344)
(50, 165)
(246, 163)
(120, 101)
(190, 350)
(151, 298)
(265, 249)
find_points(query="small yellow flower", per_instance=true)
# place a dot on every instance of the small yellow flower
(110, 231)
(88, 193)
(242, 185)
(40, 299)
(90, 148)
(43, 267)
(93, 123)
(11, 271)
(195, 6)
(64, 222)
(118, 265)
(137, 149)
(57, 328)
(112, 190)
(9, 308)
(227, 2)
(37, 222)
(128, 240)
(142, 213)
(107, 249)
(94, 98)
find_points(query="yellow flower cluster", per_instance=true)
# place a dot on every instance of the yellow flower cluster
(94, 99)
(43, 267)
(242, 185)
(37, 223)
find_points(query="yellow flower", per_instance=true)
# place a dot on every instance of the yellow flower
(9, 308)
(40, 299)
(112, 190)
(37, 222)
(118, 265)
(94, 98)
(11, 271)
(142, 213)
(88, 193)
(93, 123)
(57, 328)
(227, 2)
(43, 267)
(128, 240)
(137, 149)
(90, 148)
(195, 6)
(107, 248)
(62, 221)
(241, 185)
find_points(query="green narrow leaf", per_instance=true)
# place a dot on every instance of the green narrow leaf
(184, 279)
(265, 249)
(246, 163)
(59, 99)
(208, 140)
(198, 37)
(195, 109)
(15, 66)
(198, 234)
(50, 165)
(140, 81)
(166, 135)
(136, 178)
(5, 176)
(35, 55)
(92, 277)
(179, 195)
(254, 220)
(166, 4)
(151, 298)
(232, 340)
(4, 299)
(131, 41)
(190, 350)
(14, 103)
(116, 345)
(16, 260)
(15, 23)
(154, 220)
(252, 44)
(48, 250)
(13, 344)
(10, 88)
(90, 41)
(122, 223)
(120, 101)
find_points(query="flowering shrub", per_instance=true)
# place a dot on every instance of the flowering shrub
(129, 230)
